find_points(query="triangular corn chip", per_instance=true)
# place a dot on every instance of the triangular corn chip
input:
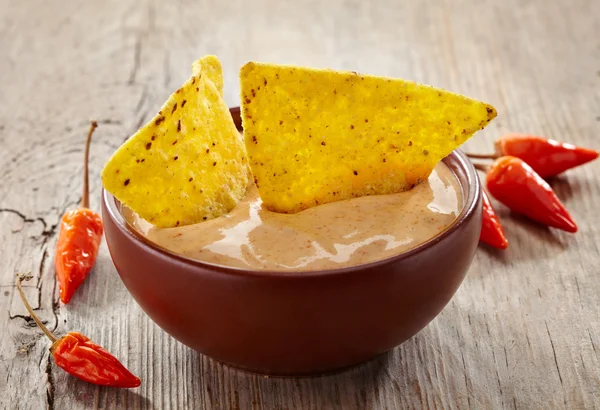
(210, 66)
(317, 136)
(188, 164)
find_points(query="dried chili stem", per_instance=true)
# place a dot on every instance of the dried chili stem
(481, 156)
(30, 309)
(85, 198)
(481, 167)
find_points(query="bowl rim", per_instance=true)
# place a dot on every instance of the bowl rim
(471, 193)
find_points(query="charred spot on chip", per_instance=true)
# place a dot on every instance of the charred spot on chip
(137, 161)
(178, 90)
(247, 100)
(351, 127)
(366, 120)
(214, 164)
(207, 150)
(126, 182)
(253, 92)
(323, 143)
(425, 152)
(409, 143)
(193, 82)
(177, 223)
(149, 145)
(183, 103)
(355, 172)
(197, 89)
(280, 122)
(117, 171)
(174, 108)
(204, 218)
(254, 139)
(174, 142)
(178, 125)
(175, 158)
(159, 120)
(191, 179)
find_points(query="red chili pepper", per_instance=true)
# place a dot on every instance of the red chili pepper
(82, 358)
(547, 157)
(491, 229)
(79, 238)
(514, 183)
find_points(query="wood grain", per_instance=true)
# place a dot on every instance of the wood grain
(523, 331)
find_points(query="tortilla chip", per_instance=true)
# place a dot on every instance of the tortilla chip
(211, 67)
(317, 136)
(188, 164)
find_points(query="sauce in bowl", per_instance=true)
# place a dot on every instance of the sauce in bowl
(329, 236)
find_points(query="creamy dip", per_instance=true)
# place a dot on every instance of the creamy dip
(334, 235)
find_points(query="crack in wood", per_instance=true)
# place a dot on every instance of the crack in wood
(591, 340)
(142, 100)
(141, 121)
(499, 384)
(50, 388)
(26, 318)
(578, 293)
(137, 53)
(554, 352)
(109, 121)
(38, 285)
(25, 218)
(462, 355)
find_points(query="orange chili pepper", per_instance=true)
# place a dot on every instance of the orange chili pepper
(547, 157)
(491, 229)
(79, 238)
(514, 183)
(82, 358)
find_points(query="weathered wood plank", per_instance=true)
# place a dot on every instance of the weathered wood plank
(523, 330)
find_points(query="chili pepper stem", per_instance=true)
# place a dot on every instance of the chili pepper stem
(85, 197)
(481, 156)
(481, 167)
(37, 320)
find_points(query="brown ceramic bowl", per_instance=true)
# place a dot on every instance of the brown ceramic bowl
(312, 322)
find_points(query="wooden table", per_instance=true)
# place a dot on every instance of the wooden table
(522, 332)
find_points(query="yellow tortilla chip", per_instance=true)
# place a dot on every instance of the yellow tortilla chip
(210, 66)
(317, 136)
(188, 164)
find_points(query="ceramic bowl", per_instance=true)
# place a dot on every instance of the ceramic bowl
(308, 323)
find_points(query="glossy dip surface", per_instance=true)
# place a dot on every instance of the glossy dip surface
(334, 235)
